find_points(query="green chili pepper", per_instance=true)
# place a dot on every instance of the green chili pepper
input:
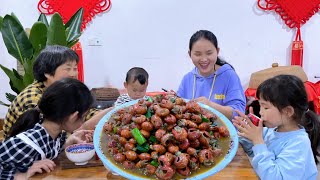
(204, 119)
(138, 136)
(115, 129)
(149, 99)
(154, 163)
(143, 148)
(153, 139)
(148, 114)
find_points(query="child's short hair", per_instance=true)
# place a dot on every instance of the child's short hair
(137, 73)
(50, 59)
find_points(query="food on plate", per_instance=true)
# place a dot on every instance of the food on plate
(165, 137)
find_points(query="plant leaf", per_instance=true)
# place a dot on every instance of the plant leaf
(15, 81)
(16, 19)
(16, 39)
(28, 75)
(38, 37)
(17, 74)
(56, 31)
(27, 79)
(14, 88)
(1, 21)
(10, 97)
(72, 43)
(42, 18)
(4, 104)
(74, 26)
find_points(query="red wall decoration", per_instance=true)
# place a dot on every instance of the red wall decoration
(295, 13)
(66, 8)
(78, 49)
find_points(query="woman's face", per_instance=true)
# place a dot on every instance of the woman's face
(204, 56)
(66, 70)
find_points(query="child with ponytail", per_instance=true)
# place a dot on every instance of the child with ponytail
(287, 147)
(40, 134)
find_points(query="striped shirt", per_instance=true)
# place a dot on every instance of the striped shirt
(27, 99)
(124, 98)
(16, 155)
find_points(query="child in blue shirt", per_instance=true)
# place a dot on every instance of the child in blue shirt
(287, 147)
(213, 81)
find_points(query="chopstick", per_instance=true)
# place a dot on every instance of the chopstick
(164, 90)
(170, 91)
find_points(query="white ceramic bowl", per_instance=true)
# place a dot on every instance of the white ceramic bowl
(80, 154)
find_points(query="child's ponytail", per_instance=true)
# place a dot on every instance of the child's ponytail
(311, 123)
(26, 121)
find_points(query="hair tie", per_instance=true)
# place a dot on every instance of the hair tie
(37, 109)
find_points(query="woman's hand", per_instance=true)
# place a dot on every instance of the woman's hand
(46, 165)
(225, 110)
(203, 100)
(80, 136)
(247, 129)
(91, 123)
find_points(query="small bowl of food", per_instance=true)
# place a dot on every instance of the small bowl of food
(165, 137)
(80, 154)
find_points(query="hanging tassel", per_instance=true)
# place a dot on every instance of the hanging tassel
(297, 50)
(78, 49)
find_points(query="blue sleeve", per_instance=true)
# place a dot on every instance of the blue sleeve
(235, 97)
(289, 164)
(247, 144)
(180, 91)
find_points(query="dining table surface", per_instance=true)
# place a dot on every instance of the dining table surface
(238, 168)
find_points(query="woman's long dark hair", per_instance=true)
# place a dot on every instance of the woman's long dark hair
(60, 100)
(208, 35)
(288, 90)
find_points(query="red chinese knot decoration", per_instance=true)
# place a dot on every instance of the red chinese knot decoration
(295, 13)
(66, 8)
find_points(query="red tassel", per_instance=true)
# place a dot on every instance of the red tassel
(78, 49)
(297, 50)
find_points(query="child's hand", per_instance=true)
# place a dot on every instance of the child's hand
(81, 136)
(247, 129)
(38, 166)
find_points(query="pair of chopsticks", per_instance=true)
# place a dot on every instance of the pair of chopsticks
(170, 91)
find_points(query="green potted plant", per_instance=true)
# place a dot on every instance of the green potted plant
(26, 48)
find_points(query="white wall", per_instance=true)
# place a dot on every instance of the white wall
(155, 35)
